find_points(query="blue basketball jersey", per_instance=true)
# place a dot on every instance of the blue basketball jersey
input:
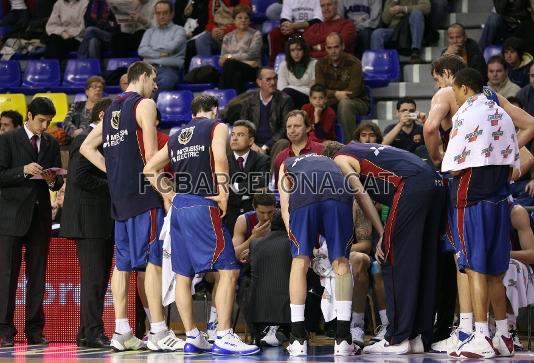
(251, 219)
(192, 158)
(314, 178)
(131, 193)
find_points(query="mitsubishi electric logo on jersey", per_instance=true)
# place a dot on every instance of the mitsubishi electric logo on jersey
(115, 139)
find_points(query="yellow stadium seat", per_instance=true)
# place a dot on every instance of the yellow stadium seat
(61, 102)
(13, 101)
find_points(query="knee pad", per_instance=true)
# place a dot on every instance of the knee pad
(344, 286)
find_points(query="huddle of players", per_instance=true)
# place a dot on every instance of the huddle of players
(393, 177)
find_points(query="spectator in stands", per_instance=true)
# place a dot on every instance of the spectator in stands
(297, 72)
(467, 48)
(16, 19)
(266, 108)
(498, 77)
(526, 94)
(123, 82)
(241, 52)
(163, 46)
(515, 101)
(274, 10)
(220, 23)
(10, 120)
(341, 74)
(365, 14)
(79, 116)
(367, 132)
(394, 14)
(500, 24)
(296, 16)
(247, 169)
(322, 117)
(518, 61)
(125, 42)
(99, 26)
(406, 134)
(192, 15)
(25, 217)
(65, 28)
(297, 128)
(316, 34)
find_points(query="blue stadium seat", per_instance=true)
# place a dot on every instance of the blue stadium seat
(76, 73)
(114, 63)
(380, 67)
(280, 57)
(258, 9)
(269, 25)
(9, 75)
(175, 107)
(40, 75)
(492, 50)
(223, 95)
(199, 61)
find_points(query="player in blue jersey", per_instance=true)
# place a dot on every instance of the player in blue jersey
(437, 128)
(408, 250)
(314, 201)
(199, 239)
(138, 213)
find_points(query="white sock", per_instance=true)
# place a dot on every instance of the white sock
(222, 333)
(357, 320)
(297, 312)
(502, 327)
(383, 317)
(343, 310)
(213, 315)
(193, 333)
(512, 321)
(466, 322)
(122, 326)
(155, 328)
(147, 312)
(482, 328)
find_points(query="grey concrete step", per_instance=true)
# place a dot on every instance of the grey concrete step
(469, 20)
(468, 6)
(386, 110)
(397, 90)
(417, 73)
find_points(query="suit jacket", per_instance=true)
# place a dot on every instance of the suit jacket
(19, 194)
(281, 104)
(87, 205)
(256, 163)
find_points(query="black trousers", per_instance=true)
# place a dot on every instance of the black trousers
(413, 227)
(95, 256)
(236, 73)
(299, 98)
(124, 44)
(36, 241)
(447, 292)
(59, 48)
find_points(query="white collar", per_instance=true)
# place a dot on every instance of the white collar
(244, 156)
(29, 133)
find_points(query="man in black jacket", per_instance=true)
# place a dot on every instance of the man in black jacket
(467, 48)
(86, 218)
(26, 155)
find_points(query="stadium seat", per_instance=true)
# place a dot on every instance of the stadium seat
(60, 101)
(269, 25)
(258, 9)
(280, 57)
(223, 95)
(492, 50)
(78, 97)
(115, 63)
(9, 74)
(76, 73)
(40, 75)
(175, 107)
(13, 101)
(380, 67)
(200, 61)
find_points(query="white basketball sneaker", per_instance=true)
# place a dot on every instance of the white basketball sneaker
(231, 344)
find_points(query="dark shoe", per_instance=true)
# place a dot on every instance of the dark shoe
(101, 341)
(37, 340)
(81, 342)
(415, 57)
(6, 342)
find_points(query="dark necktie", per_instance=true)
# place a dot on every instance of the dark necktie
(34, 145)
(240, 163)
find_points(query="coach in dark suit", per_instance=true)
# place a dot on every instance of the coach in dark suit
(86, 218)
(248, 171)
(26, 216)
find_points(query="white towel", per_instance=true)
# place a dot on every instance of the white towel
(519, 285)
(482, 134)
